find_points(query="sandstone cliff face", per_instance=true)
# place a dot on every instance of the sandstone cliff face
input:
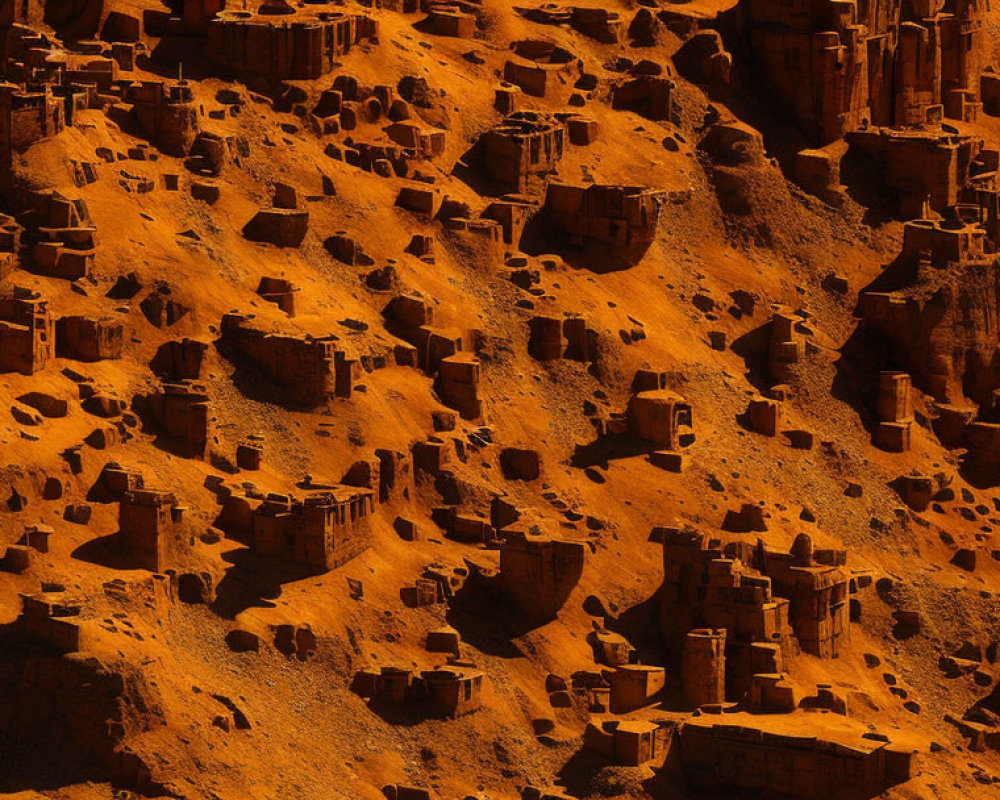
(67, 718)
(944, 330)
(835, 68)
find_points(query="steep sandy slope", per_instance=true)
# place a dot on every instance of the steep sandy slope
(307, 734)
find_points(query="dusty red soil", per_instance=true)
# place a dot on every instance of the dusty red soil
(159, 698)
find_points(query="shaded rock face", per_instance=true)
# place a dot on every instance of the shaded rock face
(63, 721)
(944, 331)
(890, 66)
(540, 575)
(279, 226)
(75, 19)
